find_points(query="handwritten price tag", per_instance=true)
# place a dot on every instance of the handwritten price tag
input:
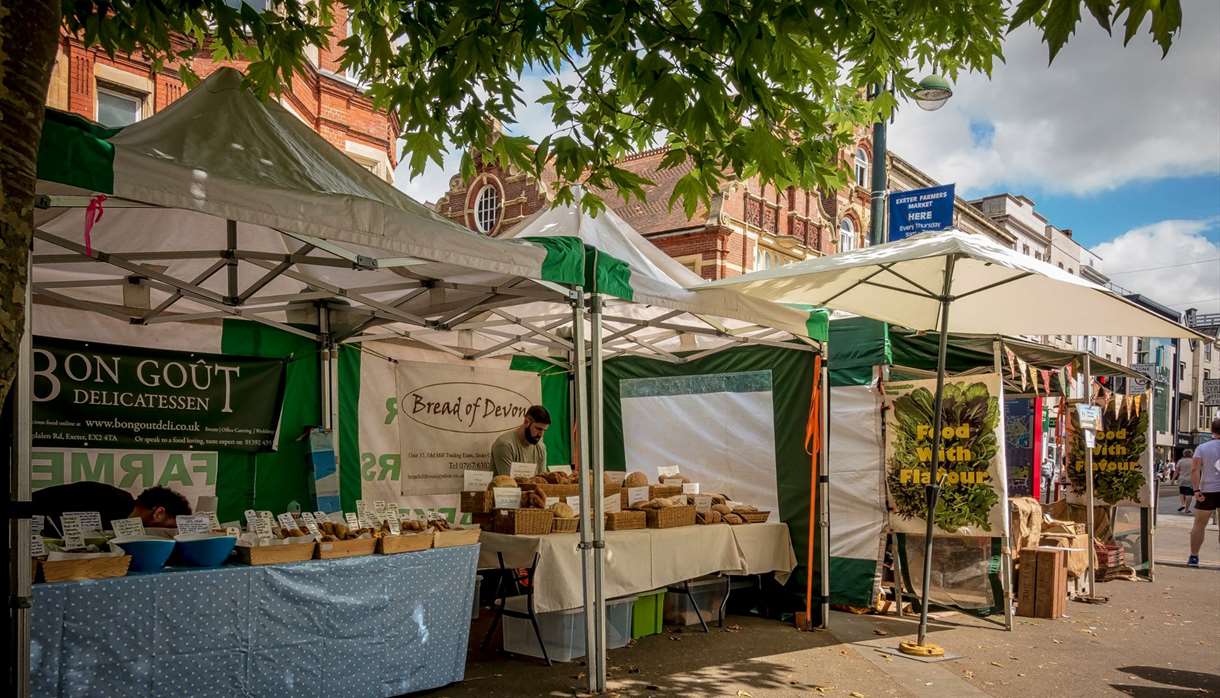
(74, 537)
(507, 497)
(90, 521)
(193, 524)
(550, 501)
(311, 525)
(476, 480)
(37, 547)
(525, 470)
(690, 488)
(703, 503)
(616, 477)
(124, 528)
(664, 471)
(353, 522)
(573, 502)
(559, 469)
(673, 482)
(612, 504)
(636, 495)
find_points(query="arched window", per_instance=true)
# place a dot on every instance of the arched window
(487, 209)
(861, 167)
(847, 235)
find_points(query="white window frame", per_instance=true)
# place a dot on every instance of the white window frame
(496, 208)
(862, 167)
(118, 93)
(848, 234)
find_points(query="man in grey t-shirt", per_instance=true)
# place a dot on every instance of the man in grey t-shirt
(523, 444)
(1206, 476)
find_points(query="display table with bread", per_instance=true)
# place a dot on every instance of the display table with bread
(377, 625)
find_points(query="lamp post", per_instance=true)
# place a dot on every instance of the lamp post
(931, 94)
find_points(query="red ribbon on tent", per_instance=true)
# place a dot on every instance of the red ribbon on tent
(93, 214)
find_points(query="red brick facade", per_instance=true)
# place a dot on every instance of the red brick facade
(323, 98)
(747, 227)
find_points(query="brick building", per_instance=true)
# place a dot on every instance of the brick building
(125, 89)
(747, 226)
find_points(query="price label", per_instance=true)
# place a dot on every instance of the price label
(267, 518)
(1090, 438)
(616, 477)
(195, 523)
(233, 531)
(664, 471)
(703, 503)
(352, 521)
(127, 527)
(636, 495)
(506, 497)
(37, 548)
(690, 488)
(74, 536)
(573, 502)
(320, 517)
(559, 469)
(550, 501)
(90, 521)
(524, 470)
(37, 523)
(612, 504)
(476, 480)
(212, 520)
(366, 519)
(251, 520)
(673, 482)
(286, 522)
(311, 525)
(395, 526)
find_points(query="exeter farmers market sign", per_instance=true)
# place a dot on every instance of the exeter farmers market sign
(106, 396)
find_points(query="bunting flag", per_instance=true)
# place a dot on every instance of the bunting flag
(1012, 362)
(1071, 376)
(1046, 380)
(1118, 404)
(1063, 383)
(1135, 403)
(1024, 373)
(1033, 377)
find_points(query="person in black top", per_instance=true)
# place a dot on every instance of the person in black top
(157, 507)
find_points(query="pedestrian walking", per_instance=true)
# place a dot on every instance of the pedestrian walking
(1206, 479)
(1186, 488)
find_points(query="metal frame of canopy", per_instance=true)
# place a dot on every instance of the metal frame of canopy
(599, 327)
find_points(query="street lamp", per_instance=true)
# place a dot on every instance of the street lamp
(931, 94)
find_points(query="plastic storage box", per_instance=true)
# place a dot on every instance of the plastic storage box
(648, 614)
(563, 632)
(708, 593)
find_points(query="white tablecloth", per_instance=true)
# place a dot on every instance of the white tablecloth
(643, 560)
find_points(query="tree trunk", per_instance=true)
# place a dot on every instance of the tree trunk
(29, 32)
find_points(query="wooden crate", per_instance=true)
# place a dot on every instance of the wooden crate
(346, 548)
(487, 521)
(455, 537)
(91, 568)
(524, 522)
(404, 543)
(559, 525)
(275, 554)
(754, 516)
(670, 517)
(476, 502)
(626, 520)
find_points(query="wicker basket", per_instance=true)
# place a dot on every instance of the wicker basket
(90, 568)
(654, 492)
(476, 502)
(524, 522)
(626, 520)
(455, 537)
(549, 490)
(405, 543)
(274, 554)
(346, 548)
(571, 525)
(754, 516)
(671, 517)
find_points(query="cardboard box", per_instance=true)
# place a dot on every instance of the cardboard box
(1042, 592)
(1078, 553)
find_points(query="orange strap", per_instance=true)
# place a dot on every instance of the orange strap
(813, 446)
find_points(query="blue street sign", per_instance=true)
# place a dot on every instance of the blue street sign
(920, 211)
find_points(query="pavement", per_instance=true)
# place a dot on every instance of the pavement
(1151, 639)
(1172, 545)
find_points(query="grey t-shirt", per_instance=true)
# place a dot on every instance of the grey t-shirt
(1184, 466)
(509, 448)
(1209, 460)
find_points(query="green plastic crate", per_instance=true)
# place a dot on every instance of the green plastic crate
(647, 614)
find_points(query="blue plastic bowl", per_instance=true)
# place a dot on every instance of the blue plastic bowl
(147, 554)
(204, 549)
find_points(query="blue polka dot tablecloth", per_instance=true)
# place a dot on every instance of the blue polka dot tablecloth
(364, 626)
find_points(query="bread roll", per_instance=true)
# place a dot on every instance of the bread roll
(502, 481)
(563, 511)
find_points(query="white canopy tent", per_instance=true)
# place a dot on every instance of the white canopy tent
(990, 289)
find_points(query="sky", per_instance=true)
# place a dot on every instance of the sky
(1110, 141)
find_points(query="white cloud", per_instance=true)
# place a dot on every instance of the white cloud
(1172, 262)
(1101, 116)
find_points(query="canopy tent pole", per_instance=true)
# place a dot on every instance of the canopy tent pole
(580, 417)
(824, 494)
(597, 654)
(20, 577)
(231, 255)
(324, 359)
(1088, 475)
(1006, 548)
(933, 490)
